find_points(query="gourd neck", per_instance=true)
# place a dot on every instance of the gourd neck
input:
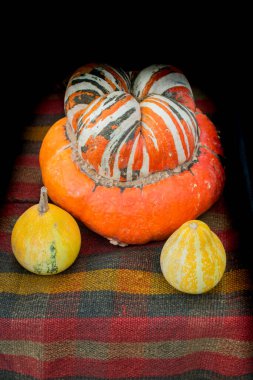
(43, 204)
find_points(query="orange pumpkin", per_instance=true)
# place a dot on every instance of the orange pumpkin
(132, 166)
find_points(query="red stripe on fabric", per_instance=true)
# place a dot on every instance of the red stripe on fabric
(30, 160)
(128, 367)
(14, 209)
(229, 238)
(205, 105)
(24, 191)
(50, 106)
(21, 365)
(141, 329)
(219, 207)
(5, 239)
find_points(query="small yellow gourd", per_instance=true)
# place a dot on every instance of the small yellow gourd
(193, 259)
(45, 239)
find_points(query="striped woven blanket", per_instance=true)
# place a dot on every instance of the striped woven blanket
(112, 315)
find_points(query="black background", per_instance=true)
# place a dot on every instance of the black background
(44, 48)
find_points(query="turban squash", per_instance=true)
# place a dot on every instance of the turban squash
(133, 158)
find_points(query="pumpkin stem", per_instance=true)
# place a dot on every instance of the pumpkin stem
(43, 204)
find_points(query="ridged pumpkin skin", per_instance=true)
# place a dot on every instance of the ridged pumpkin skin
(46, 243)
(193, 259)
(132, 169)
(164, 80)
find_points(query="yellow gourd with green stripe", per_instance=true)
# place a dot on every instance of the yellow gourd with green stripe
(193, 259)
(45, 239)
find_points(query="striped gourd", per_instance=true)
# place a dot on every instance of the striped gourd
(90, 82)
(164, 80)
(193, 259)
(125, 140)
(133, 159)
(123, 137)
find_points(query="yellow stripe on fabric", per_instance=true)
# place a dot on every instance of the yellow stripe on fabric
(108, 351)
(35, 133)
(38, 350)
(120, 280)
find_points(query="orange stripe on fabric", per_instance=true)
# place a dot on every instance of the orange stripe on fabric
(122, 280)
(35, 133)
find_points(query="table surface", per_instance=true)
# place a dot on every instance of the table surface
(112, 315)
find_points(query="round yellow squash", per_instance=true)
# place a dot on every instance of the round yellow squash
(45, 239)
(193, 259)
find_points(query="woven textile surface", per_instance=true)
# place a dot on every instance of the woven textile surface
(112, 315)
